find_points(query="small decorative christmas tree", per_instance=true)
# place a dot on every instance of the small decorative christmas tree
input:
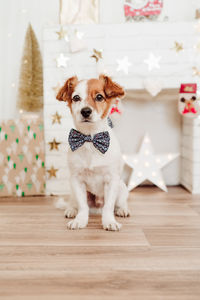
(30, 94)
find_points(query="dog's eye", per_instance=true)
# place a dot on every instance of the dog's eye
(76, 98)
(99, 97)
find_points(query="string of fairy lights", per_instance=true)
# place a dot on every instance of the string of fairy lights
(124, 64)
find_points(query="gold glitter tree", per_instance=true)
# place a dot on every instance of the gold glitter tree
(30, 94)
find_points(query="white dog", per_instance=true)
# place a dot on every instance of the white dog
(94, 155)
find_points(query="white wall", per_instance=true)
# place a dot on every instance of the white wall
(14, 18)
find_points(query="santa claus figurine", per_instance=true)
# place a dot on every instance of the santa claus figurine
(188, 103)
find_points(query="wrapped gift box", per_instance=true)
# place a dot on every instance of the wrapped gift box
(22, 169)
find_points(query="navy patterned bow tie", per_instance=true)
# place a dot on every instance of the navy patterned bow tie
(101, 140)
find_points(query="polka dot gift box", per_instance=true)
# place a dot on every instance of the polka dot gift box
(22, 157)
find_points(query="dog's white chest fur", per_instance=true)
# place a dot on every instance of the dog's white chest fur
(94, 180)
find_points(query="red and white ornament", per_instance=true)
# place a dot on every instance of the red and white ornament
(115, 108)
(143, 8)
(188, 104)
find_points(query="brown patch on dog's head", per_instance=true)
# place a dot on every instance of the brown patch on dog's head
(66, 91)
(105, 87)
(112, 89)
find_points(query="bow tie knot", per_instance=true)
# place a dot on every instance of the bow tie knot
(101, 140)
(88, 138)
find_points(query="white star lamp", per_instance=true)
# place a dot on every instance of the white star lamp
(147, 166)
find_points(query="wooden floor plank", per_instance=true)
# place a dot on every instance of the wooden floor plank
(135, 284)
(94, 258)
(59, 223)
(75, 238)
(178, 209)
(137, 209)
(173, 237)
(156, 255)
(196, 208)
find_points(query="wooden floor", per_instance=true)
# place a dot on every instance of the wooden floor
(156, 255)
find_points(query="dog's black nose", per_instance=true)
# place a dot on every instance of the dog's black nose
(86, 112)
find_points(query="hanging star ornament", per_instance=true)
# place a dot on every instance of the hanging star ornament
(123, 64)
(153, 62)
(196, 72)
(52, 172)
(79, 34)
(56, 88)
(147, 166)
(97, 55)
(177, 47)
(61, 60)
(56, 118)
(197, 46)
(54, 145)
(62, 34)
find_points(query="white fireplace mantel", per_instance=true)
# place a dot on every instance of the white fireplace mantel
(136, 41)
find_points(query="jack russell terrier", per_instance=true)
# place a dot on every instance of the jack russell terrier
(94, 156)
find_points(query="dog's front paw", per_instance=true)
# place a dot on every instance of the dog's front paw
(112, 225)
(77, 223)
(122, 212)
(71, 212)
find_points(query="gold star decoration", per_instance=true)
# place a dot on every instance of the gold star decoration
(96, 54)
(54, 145)
(52, 172)
(177, 47)
(197, 46)
(56, 118)
(79, 34)
(56, 88)
(196, 72)
(61, 33)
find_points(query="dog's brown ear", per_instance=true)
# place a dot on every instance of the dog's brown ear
(66, 91)
(182, 99)
(111, 88)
